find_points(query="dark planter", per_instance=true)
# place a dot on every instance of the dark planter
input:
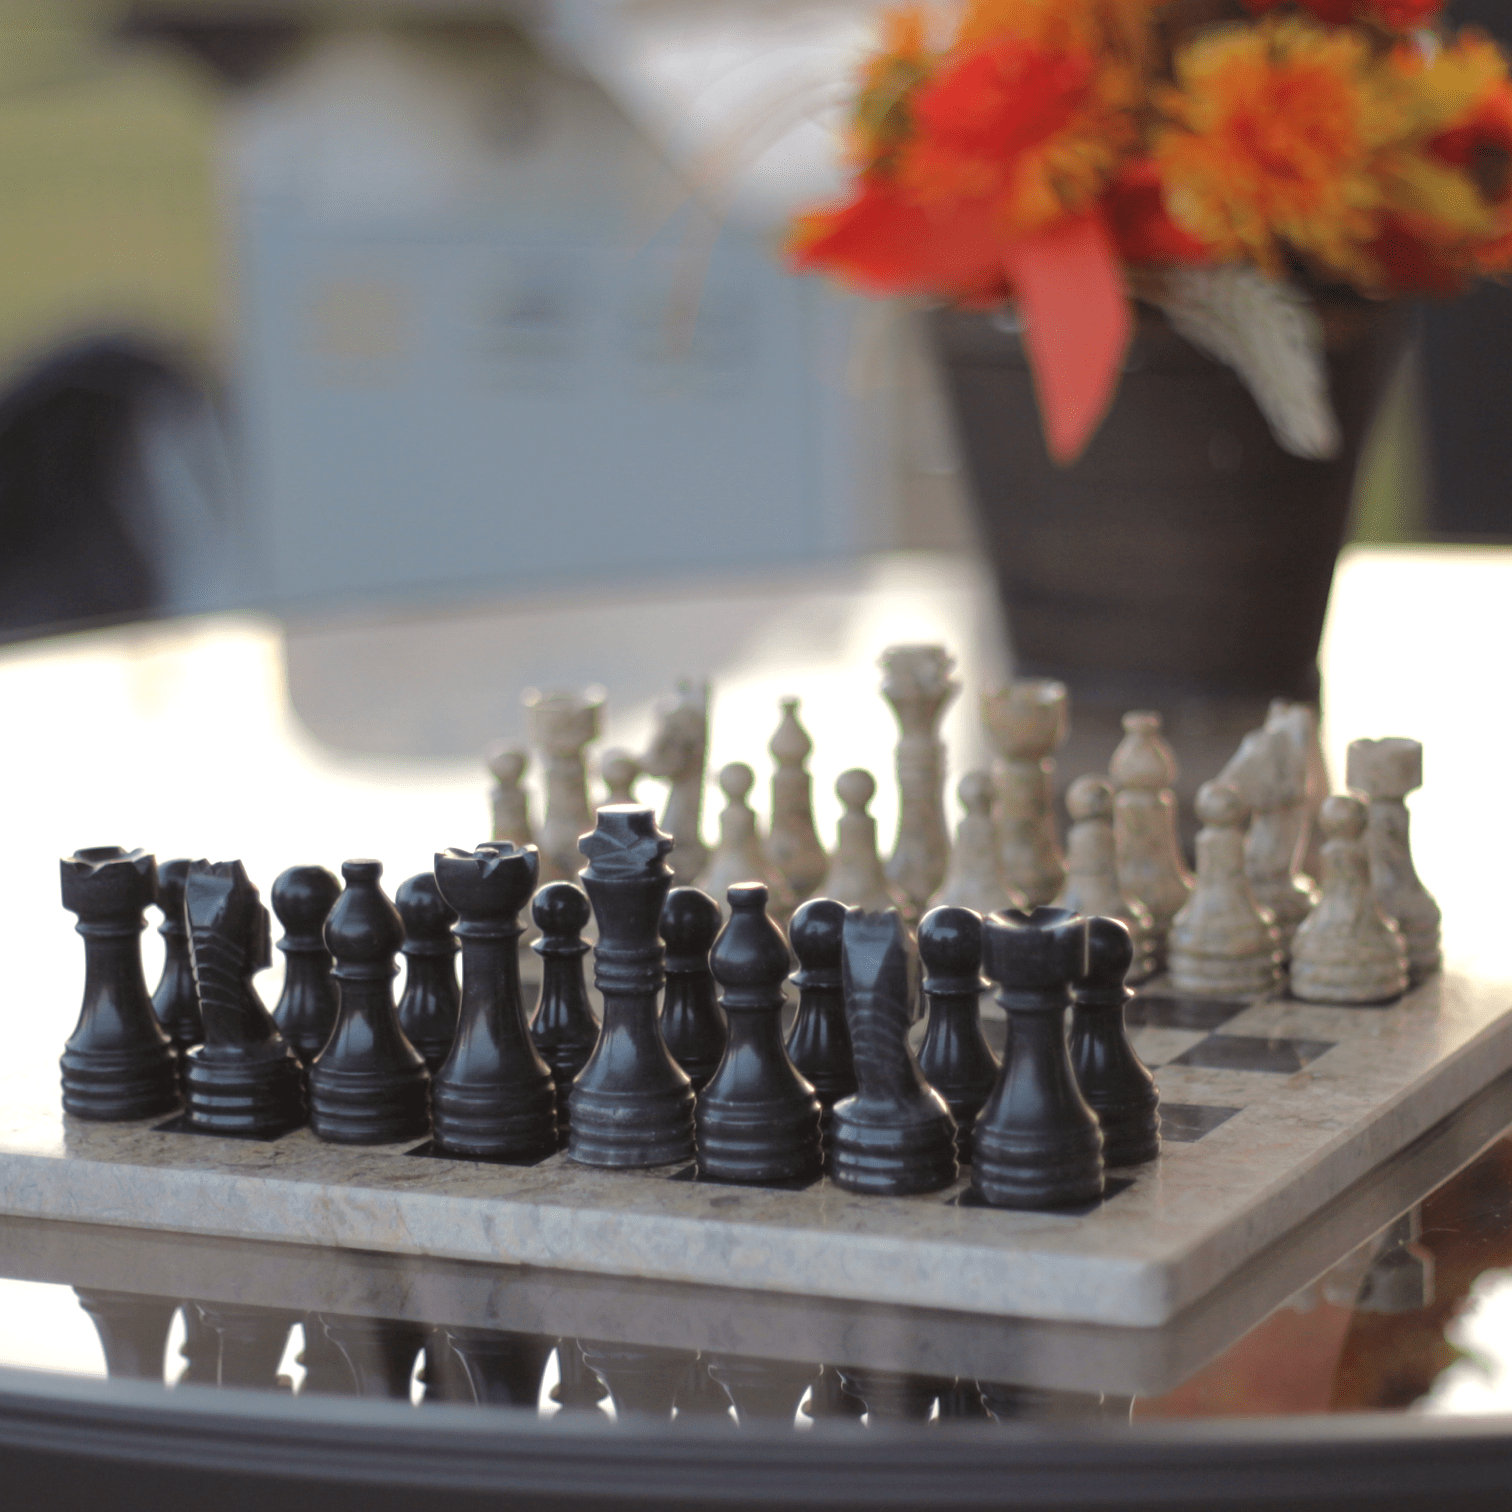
(1185, 556)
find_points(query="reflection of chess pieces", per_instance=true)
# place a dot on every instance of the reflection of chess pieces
(917, 683)
(1092, 870)
(793, 843)
(511, 803)
(133, 1331)
(1150, 868)
(678, 755)
(1269, 772)
(1346, 950)
(856, 877)
(1026, 723)
(1223, 943)
(977, 878)
(762, 1389)
(643, 1381)
(619, 771)
(1385, 771)
(561, 727)
(380, 1352)
(740, 855)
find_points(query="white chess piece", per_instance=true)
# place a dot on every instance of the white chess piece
(1385, 771)
(917, 683)
(793, 842)
(561, 726)
(1223, 943)
(740, 855)
(1026, 722)
(1269, 771)
(619, 771)
(976, 878)
(510, 802)
(1150, 867)
(856, 877)
(1092, 869)
(1347, 950)
(678, 755)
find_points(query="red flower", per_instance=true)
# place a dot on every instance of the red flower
(1399, 15)
(1141, 226)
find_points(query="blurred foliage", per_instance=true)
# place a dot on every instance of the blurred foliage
(111, 218)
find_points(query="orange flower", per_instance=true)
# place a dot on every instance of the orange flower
(1397, 15)
(883, 116)
(1269, 143)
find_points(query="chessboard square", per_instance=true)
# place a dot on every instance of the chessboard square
(1239, 1052)
(1159, 1047)
(1186, 1123)
(1168, 1010)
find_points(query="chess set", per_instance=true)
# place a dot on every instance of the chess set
(1178, 1069)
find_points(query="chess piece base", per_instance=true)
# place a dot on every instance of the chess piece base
(760, 1142)
(888, 1160)
(110, 1086)
(631, 1129)
(363, 1107)
(1038, 1172)
(253, 1099)
(495, 1121)
(1209, 976)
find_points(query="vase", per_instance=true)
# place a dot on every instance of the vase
(1185, 554)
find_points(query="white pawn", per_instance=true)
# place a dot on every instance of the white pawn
(1092, 869)
(1026, 722)
(916, 681)
(793, 842)
(1347, 950)
(1150, 867)
(561, 726)
(977, 878)
(1385, 771)
(1269, 771)
(856, 877)
(1223, 943)
(511, 803)
(619, 771)
(740, 856)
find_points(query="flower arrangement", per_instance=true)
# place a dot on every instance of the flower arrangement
(1218, 159)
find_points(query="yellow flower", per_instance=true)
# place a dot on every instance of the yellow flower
(1269, 140)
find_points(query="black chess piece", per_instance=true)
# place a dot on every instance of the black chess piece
(894, 1135)
(244, 1080)
(632, 1104)
(200, 1350)
(369, 1085)
(502, 1369)
(173, 999)
(494, 1098)
(429, 1004)
(892, 1396)
(380, 1352)
(303, 897)
(758, 1120)
(118, 1063)
(961, 1402)
(642, 1380)
(693, 1023)
(762, 1390)
(819, 1043)
(252, 1341)
(563, 1027)
(327, 1372)
(441, 1372)
(1115, 1082)
(1036, 1144)
(578, 1389)
(955, 1058)
(699, 1395)
(133, 1330)
(829, 1400)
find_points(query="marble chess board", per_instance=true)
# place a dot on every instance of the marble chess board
(1271, 1110)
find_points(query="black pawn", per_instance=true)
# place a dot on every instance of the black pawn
(1036, 1143)
(494, 1098)
(577, 1389)
(1115, 1082)
(760, 1390)
(303, 897)
(501, 1369)
(632, 1104)
(955, 1058)
(118, 1063)
(643, 1380)
(252, 1343)
(892, 1396)
(894, 1135)
(699, 1395)
(369, 1085)
(133, 1331)
(693, 1024)
(327, 1372)
(244, 1080)
(563, 1026)
(829, 1399)
(380, 1352)
(819, 1043)
(428, 1006)
(200, 1350)
(173, 998)
(758, 1120)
